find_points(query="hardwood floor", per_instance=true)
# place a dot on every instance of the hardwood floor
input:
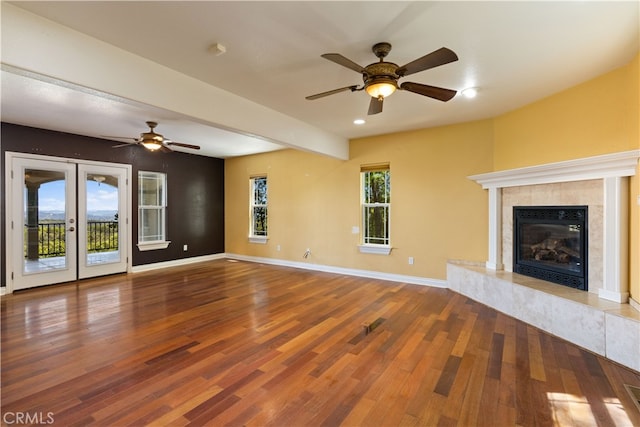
(237, 343)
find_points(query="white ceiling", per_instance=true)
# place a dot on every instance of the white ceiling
(514, 52)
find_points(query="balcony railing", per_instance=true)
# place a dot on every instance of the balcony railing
(102, 236)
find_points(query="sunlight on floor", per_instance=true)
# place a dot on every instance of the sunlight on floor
(46, 317)
(102, 303)
(568, 409)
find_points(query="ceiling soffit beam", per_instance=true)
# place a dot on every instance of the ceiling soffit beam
(40, 46)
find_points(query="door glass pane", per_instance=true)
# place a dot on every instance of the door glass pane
(102, 219)
(44, 220)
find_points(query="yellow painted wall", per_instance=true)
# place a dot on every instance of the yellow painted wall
(597, 117)
(593, 118)
(436, 212)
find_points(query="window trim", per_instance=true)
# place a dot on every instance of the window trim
(258, 239)
(374, 248)
(254, 238)
(367, 248)
(150, 245)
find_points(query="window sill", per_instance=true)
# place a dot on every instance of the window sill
(375, 249)
(151, 246)
(262, 240)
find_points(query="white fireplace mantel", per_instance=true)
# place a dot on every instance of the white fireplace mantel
(614, 169)
(597, 167)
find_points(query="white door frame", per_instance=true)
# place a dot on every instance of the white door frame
(10, 200)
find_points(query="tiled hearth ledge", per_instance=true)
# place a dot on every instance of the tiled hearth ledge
(600, 320)
(604, 327)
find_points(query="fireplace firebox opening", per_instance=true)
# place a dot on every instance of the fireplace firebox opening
(550, 243)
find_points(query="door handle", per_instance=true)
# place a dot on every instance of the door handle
(72, 229)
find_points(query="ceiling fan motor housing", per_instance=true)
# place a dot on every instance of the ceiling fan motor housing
(380, 72)
(381, 69)
(151, 137)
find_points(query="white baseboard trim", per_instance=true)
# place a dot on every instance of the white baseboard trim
(415, 280)
(175, 263)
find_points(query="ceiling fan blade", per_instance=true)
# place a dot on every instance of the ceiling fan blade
(126, 144)
(331, 92)
(434, 59)
(120, 137)
(434, 92)
(179, 144)
(375, 106)
(345, 62)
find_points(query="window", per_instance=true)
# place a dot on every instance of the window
(376, 206)
(152, 205)
(258, 214)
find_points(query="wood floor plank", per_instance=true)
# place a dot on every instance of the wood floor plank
(240, 343)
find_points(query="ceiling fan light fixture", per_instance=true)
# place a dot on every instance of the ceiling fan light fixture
(151, 145)
(381, 87)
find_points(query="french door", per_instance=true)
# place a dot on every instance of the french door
(68, 220)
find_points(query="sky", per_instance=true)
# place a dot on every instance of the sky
(99, 196)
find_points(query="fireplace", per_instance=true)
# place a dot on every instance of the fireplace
(550, 243)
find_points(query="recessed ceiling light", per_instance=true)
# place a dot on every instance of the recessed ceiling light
(359, 122)
(470, 92)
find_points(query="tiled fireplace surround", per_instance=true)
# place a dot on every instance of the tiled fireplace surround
(601, 320)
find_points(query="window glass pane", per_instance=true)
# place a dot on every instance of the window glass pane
(151, 224)
(260, 221)
(150, 190)
(260, 191)
(377, 187)
(376, 219)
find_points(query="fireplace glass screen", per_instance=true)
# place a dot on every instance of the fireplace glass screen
(550, 244)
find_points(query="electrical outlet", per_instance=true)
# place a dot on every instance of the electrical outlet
(410, 260)
(185, 247)
(278, 248)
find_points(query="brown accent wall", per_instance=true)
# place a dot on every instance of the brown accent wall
(195, 192)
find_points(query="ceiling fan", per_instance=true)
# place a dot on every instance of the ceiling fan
(381, 78)
(152, 141)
